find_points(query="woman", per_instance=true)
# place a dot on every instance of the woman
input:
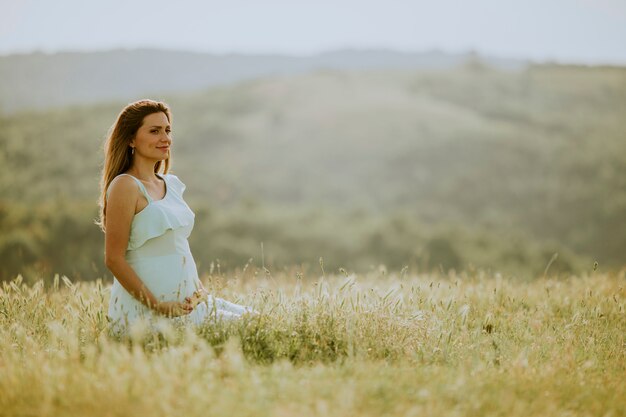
(146, 224)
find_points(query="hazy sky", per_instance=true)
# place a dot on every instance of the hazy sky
(587, 31)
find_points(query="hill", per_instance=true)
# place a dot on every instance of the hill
(42, 81)
(470, 165)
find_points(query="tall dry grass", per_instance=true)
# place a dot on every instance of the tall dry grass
(343, 345)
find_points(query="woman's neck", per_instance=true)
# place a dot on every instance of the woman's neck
(143, 169)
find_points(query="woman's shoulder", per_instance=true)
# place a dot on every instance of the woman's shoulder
(122, 184)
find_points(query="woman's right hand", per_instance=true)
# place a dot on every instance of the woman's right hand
(173, 308)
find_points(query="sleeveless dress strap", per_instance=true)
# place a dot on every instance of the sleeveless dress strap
(141, 187)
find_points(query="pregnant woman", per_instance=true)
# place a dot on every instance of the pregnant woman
(146, 224)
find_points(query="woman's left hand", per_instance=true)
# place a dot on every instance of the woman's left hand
(197, 297)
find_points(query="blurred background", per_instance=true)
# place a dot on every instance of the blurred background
(424, 135)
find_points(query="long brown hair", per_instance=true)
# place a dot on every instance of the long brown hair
(117, 151)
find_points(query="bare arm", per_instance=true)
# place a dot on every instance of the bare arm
(121, 203)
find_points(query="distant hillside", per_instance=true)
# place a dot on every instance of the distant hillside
(355, 166)
(40, 81)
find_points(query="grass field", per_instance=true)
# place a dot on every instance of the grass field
(341, 345)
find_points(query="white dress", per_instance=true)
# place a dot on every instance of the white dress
(158, 251)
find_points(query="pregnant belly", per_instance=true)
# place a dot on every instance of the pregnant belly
(170, 277)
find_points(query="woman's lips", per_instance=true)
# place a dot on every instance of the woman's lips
(164, 148)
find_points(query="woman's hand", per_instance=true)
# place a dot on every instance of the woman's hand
(198, 296)
(173, 308)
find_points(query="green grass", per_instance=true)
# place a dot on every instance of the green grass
(376, 344)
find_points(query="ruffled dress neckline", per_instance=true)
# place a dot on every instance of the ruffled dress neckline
(145, 191)
(169, 213)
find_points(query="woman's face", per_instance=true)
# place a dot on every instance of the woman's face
(153, 139)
